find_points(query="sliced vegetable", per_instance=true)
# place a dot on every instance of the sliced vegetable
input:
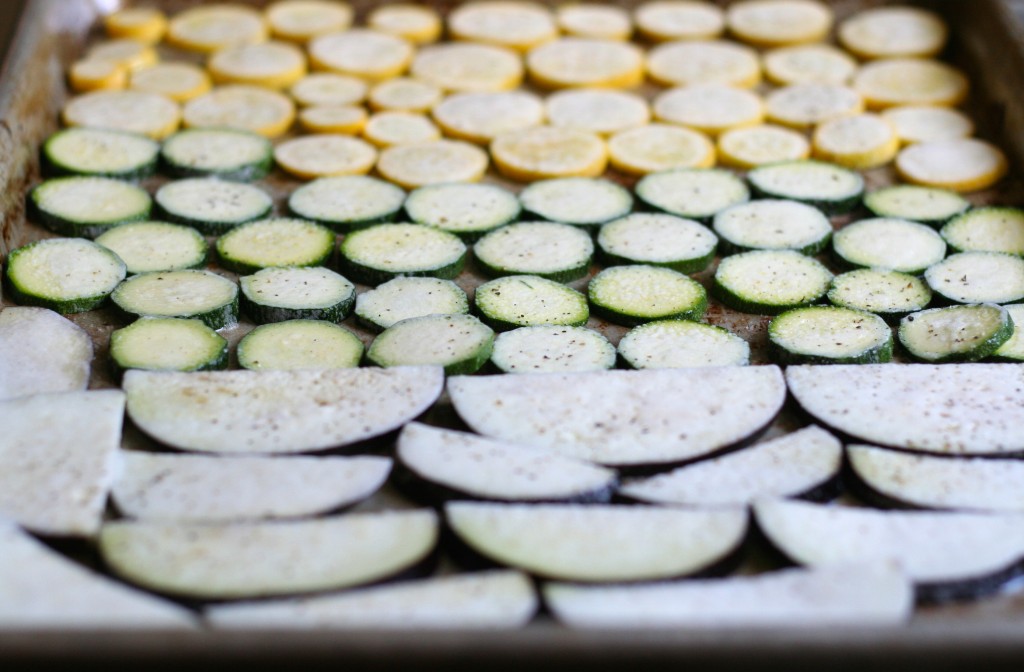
(581, 201)
(468, 67)
(624, 418)
(656, 147)
(578, 61)
(769, 282)
(830, 188)
(709, 108)
(459, 343)
(299, 344)
(360, 52)
(99, 152)
(325, 155)
(910, 81)
(407, 297)
(208, 28)
(772, 224)
(919, 204)
(680, 244)
(436, 162)
(829, 335)
(202, 295)
(692, 193)
(348, 202)
(884, 242)
(274, 65)
(517, 25)
(210, 205)
(467, 210)
(149, 114)
(991, 229)
(385, 251)
(243, 107)
(155, 246)
(229, 154)
(1013, 349)
(704, 61)
(886, 293)
(549, 250)
(978, 277)
(85, 207)
(302, 20)
(960, 165)
(956, 334)
(168, 344)
(889, 32)
(481, 116)
(632, 295)
(805, 105)
(809, 63)
(88, 274)
(551, 348)
(597, 110)
(290, 293)
(275, 242)
(761, 145)
(779, 23)
(527, 300)
(675, 344)
(263, 412)
(545, 152)
(859, 141)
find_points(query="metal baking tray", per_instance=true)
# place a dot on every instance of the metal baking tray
(987, 42)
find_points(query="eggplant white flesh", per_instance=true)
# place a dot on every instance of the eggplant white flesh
(40, 588)
(789, 465)
(927, 481)
(599, 543)
(205, 488)
(245, 560)
(265, 412)
(937, 408)
(931, 547)
(58, 459)
(41, 352)
(491, 600)
(484, 468)
(623, 418)
(860, 594)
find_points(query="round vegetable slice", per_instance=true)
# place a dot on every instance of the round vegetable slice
(225, 153)
(210, 205)
(379, 253)
(887, 32)
(66, 275)
(274, 65)
(481, 116)
(859, 141)
(761, 145)
(99, 152)
(550, 250)
(241, 106)
(660, 240)
(299, 344)
(910, 81)
(692, 193)
(468, 67)
(168, 344)
(405, 297)
(412, 166)
(925, 123)
(664, 20)
(632, 295)
(85, 207)
(97, 75)
(145, 24)
(208, 28)
(202, 295)
(546, 152)
(274, 242)
(348, 202)
(773, 225)
(709, 108)
(156, 246)
(704, 62)
(828, 187)
(328, 88)
(805, 105)
(527, 300)
(577, 61)
(460, 343)
(978, 277)
(655, 147)
(181, 82)
(597, 110)
(545, 348)
(149, 114)
(344, 119)
(361, 53)
(885, 242)
(296, 293)
(927, 205)
(880, 291)
(776, 23)
(467, 210)
(302, 20)
(829, 335)
(991, 229)
(956, 334)
(809, 63)
(405, 94)
(959, 165)
(325, 155)
(675, 344)
(416, 23)
(581, 201)
(507, 23)
(604, 22)
(769, 282)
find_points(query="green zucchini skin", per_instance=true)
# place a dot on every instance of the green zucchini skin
(53, 165)
(733, 299)
(646, 192)
(217, 317)
(210, 227)
(466, 363)
(71, 228)
(249, 261)
(493, 311)
(265, 312)
(387, 199)
(368, 274)
(245, 172)
(273, 346)
(216, 360)
(838, 205)
(877, 354)
(683, 263)
(983, 349)
(631, 316)
(878, 203)
(495, 252)
(24, 295)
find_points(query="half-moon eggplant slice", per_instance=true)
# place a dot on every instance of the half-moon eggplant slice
(931, 482)
(861, 595)
(947, 555)
(478, 601)
(207, 488)
(624, 418)
(42, 589)
(936, 408)
(41, 352)
(444, 464)
(269, 558)
(58, 459)
(261, 412)
(599, 543)
(800, 463)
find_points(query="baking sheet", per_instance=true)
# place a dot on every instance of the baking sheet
(986, 42)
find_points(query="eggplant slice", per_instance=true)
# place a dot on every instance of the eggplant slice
(265, 412)
(599, 543)
(58, 459)
(937, 408)
(790, 465)
(40, 588)
(861, 595)
(623, 418)
(41, 352)
(947, 555)
(460, 465)
(206, 488)
(269, 558)
(928, 481)
(479, 601)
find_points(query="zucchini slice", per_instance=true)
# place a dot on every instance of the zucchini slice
(546, 348)
(299, 344)
(41, 352)
(773, 225)
(990, 229)
(385, 251)
(956, 334)
(632, 295)
(693, 193)
(442, 464)
(226, 153)
(890, 294)
(168, 344)
(210, 205)
(348, 202)
(204, 488)
(467, 210)
(205, 296)
(1013, 349)
(88, 274)
(947, 555)
(528, 300)
(680, 244)
(829, 335)
(146, 247)
(927, 481)
(459, 343)
(558, 252)
(29, 571)
(403, 298)
(598, 543)
(873, 403)
(803, 463)
(85, 207)
(480, 600)
(60, 486)
(623, 418)
(247, 560)
(580, 201)
(868, 595)
(769, 282)
(290, 293)
(927, 205)
(885, 242)
(264, 412)
(274, 243)
(978, 277)
(100, 152)
(826, 186)
(676, 344)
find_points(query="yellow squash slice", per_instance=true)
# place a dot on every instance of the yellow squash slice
(250, 108)
(577, 61)
(924, 123)
(960, 165)
(809, 64)
(274, 65)
(704, 62)
(126, 52)
(778, 23)
(506, 23)
(709, 108)
(597, 110)
(302, 20)
(327, 88)
(860, 141)
(657, 147)
(910, 81)
(480, 117)
(412, 166)
(807, 105)
(602, 22)
(404, 94)
(145, 24)
(468, 67)
(416, 23)
(361, 53)
(345, 119)
(547, 152)
(324, 155)
(758, 145)
(209, 28)
(133, 111)
(385, 129)
(890, 32)
(93, 74)
(664, 20)
(177, 80)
